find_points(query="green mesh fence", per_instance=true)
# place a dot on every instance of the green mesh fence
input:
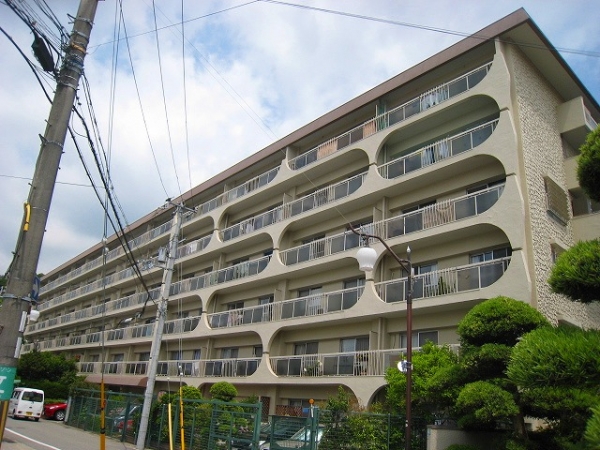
(214, 425)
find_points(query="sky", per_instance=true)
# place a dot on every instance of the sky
(178, 106)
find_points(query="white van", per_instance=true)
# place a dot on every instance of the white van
(26, 402)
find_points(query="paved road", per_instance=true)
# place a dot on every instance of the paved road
(52, 435)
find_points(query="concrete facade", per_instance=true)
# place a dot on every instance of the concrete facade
(466, 157)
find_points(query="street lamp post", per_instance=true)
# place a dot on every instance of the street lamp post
(367, 257)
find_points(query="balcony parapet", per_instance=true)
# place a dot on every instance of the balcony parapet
(139, 332)
(439, 214)
(343, 364)
(423, 102)
(312, 305)
(235, 193)
(182, 251)
(470, 277)
(309, 202)
(438, 151)
(238, 367)
(230, 195)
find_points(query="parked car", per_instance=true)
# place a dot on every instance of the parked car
(118, 419)
(56, 411)
(299, 440)
(26, 402)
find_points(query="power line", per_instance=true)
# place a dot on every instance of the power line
(426, 27)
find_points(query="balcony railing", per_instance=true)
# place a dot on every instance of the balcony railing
(318, 198)
(444, 282)
(438, 151)
(238, 367)
(177, 326)
(314, 200)
(358, 363)
(419, 104)
(427, 217)
(311, 305)
(236, 192)
(236, 272)
(113, 254)
(183, 250)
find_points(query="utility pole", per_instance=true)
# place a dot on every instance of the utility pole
(16, 299)
(161, 314)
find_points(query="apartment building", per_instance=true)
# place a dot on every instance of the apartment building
(468, 158)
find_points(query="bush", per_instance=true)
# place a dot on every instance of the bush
(223, 391)
(499, 320)
(588, 165)
(592, 430)
(576, 273)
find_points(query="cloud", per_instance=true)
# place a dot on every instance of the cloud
(253, 73)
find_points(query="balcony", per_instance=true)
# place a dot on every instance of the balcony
(141, 332)
(359, 363)
(236, 272)
(239, 367)
(312, 305)
(113, 254)
(183, 250)
(417, 105)
(438, 151)
(442, 213)
(232, 194)
(466, 278)
(236, 192)
(314, 200)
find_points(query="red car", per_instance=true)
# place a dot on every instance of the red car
(56, 411)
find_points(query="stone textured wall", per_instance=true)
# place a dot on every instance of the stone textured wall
(542, 153)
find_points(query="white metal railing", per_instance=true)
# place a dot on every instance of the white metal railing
(438, 151)
(230, 195)
(237, 192)
(183, 250)
(421, 103)
(113, 254)
(358, 363)
(143, 332)
(311, 201)
(234, 367)
(424, 218)
(312, 305)
(465, 278)
(235, 272)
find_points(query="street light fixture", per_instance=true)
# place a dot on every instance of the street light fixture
(367, 257)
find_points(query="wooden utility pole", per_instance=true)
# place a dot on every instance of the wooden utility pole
(16, 300)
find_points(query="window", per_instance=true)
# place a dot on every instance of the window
(197, 354)
(306, 348)
(356, 344)
(556, 201)
(419, 338)
(235, 305)
(176, 355)
(229, 352)
(257, 351)
(483, 187)
(314, 303)
(490, 255)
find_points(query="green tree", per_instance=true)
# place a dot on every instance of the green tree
(556, 370)
(475, 388)
(428, 399)
(576, 273)
(588, 165)
(592, 430)
(223, 391)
